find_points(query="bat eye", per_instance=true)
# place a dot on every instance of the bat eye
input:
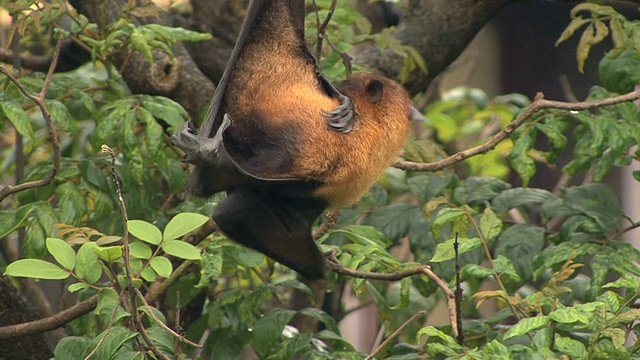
(374, 90)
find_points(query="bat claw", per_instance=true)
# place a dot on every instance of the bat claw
(341, 118)
(188, 141)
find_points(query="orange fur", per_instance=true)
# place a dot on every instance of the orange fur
(270, 78)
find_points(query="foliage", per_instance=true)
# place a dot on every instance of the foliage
(549, 265)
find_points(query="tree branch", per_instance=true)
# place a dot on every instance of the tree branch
(51, 322)
(539, 103)
(335, 265)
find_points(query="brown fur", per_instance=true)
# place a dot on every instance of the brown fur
(275, 80)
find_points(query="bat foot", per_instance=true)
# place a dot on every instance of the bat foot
(188, 141)
(341, 118)
(197, 150)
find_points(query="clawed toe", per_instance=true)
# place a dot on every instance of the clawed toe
(340, 118)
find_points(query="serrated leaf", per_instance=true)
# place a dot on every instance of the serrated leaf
(62, 252)
(182, 224)
(35, 269)
(145, 231)
(181, 250)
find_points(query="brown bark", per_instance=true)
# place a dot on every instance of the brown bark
(439, 30)
(180, 79)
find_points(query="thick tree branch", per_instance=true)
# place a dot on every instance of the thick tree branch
(439, 30)
(180, 79)
(539, 103)
(51, 322)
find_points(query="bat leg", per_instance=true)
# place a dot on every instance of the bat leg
(200, 150)
(274, 225)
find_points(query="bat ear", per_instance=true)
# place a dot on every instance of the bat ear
(374, 90)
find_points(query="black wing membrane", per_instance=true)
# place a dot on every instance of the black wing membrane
(275, 225)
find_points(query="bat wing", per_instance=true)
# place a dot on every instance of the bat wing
(275, 225)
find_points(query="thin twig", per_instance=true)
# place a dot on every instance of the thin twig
(40, 100)
(458, 294)
(107, 331)
(334, 264)
(139, 326)
(395, 333)
(451, 298)
(163, 325)
(156, 290)
(331, 217)
(539, 103)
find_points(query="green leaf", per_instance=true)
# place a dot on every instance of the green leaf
(328, 321)
(619, 74)
(35, 269)
(597, 201)
(139, 250)
(71, 347)
(148, 274)
(445, 250)
(496, 351)
(513, 198)
(145, 231)
(267, 331)
(528, 324)
(521, 243)
(365, 236)
(163, 340)
(87, 264)
(182, 224)
(520, 160)
(109, 254)
(114, 338)
(10, 221)
(108, 300)
(61, 116)
(141, 43)
(210, 269)
(18, 117)
(77, 287)
(181, 250)
(568, 316)
(490, 225)
(574, 25)
(72, 205)
(447, 340)
(62, 252)
(162, 266)
(573, 348)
